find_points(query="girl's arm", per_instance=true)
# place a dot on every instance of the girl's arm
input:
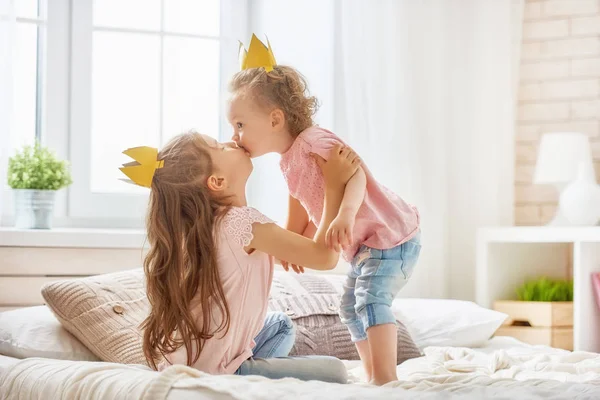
(342, 226)
(296, 249)
(297, 222)
(297, 219)
(310, 230)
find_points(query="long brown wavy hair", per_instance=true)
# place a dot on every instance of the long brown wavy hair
(181, 264)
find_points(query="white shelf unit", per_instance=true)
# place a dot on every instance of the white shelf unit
(506, 257)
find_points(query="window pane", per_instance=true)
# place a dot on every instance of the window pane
(26, 8)
(193, 16)
(191, 86)
(25, 82)
(132, 14)
(125, 103)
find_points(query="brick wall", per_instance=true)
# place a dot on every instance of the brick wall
(559, 90)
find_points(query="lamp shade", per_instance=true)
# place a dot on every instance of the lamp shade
(560, 156)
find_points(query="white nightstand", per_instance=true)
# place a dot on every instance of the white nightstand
(30, 258)
(506, 257)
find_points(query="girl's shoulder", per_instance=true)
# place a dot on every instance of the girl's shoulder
(311, 140)
(237, 223)
(245, 212)
(315, 133)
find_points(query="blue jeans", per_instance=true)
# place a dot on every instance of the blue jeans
(276, 338)
(273, 344)
(375, 278)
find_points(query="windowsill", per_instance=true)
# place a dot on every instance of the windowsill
(96, 238)
(73, 237)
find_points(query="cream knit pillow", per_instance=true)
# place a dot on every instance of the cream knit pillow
(104, 312)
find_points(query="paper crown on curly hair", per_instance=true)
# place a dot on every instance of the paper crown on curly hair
(141, 171)
(258, 55)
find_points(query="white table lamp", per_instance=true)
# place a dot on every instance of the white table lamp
(561, 156)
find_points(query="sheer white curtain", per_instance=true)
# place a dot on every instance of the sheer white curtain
(309, 47)
(7, 51)
(234, 27)
(425, 92)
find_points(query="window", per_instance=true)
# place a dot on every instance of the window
(28, 72)
(142, 72)
(93, 77)
(23, 30)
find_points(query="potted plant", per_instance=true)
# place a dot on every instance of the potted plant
(35, 174)
(542, 315)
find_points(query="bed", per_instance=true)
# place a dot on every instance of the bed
(503, 369)
(54, 351)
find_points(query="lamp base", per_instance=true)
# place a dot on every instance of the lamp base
(559, 220)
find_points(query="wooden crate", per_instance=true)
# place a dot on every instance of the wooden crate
(560, 338)
(536, 322)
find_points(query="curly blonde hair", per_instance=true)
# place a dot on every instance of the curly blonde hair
(284, 88)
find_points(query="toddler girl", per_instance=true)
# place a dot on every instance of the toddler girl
(377, 230)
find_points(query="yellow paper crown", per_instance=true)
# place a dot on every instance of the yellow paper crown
(258, 55)
(141, 171)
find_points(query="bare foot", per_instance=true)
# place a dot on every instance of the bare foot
(382, 382)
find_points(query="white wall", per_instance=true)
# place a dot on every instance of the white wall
(559, 91)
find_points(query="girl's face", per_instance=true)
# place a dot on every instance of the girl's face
(253, 127)
(232, 165)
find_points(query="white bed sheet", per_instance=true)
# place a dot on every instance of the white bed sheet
(6, 361)
(422, 364)
(503, 369)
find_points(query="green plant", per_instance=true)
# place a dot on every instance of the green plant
(37, 167)
(544, 289)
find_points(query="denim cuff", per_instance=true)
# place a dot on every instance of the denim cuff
(376, 314)
(357, 330)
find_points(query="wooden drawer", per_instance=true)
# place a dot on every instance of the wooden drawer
(46, 261)
(536, 313)
(536, 322)
(561, 338)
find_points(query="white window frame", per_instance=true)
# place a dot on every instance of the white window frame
(64, 76)
(51, 126)
(83, 203)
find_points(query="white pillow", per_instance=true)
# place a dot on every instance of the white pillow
(35, 332)
(455, 323)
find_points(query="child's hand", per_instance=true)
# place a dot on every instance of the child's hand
(297, 268)
(341, 166)
(339, 234)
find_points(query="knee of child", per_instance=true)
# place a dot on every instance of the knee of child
(287, 321)
(291, 328)
(376, 314)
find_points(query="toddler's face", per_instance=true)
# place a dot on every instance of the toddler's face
(252, 126)
(231, 161)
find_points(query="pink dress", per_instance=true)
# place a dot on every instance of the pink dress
(383, 221)
(246, 280)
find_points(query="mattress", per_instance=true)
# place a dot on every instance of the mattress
(6, 361)
(504, 368)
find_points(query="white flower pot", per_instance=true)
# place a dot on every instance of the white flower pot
(34, 208)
